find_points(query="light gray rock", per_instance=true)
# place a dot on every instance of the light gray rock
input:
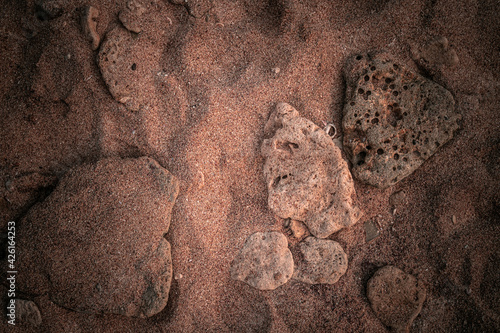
(264, 262)
(307, 178)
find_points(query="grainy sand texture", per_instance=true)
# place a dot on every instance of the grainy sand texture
(177, 95)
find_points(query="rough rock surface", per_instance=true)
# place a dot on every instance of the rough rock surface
(131, 15)
(264, 262)
(307, 178)
(394, 119)
(396, 297)
(89, 25)
(435, 55)
(322, 261)
(27, 313)
(100, 235)
(122, 64)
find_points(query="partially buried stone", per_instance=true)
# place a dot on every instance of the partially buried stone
(435, 55)
(264, 262)
(127, 69)
(307, 178)
(27, 312)
(299, 229)
(322, 261)
(131, 15)
(89, 25)
(394, 119)
(96, 243)
(395, 297)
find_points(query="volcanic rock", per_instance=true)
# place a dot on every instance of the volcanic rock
(307, 178)
(435, 55)
(321, 261)
(89, 25)
(131, 15)
(394, 119)
(27, 312)
(127, 70)
(264, 262)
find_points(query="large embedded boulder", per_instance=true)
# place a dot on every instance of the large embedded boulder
(96, 243)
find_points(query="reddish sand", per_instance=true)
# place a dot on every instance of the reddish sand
(220, 75)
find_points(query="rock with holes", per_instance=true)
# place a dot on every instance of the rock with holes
(264, 262)
(307, 178)
(128, 71)
(96, 243)
(395, 297)
(320, 261)
(394, 119)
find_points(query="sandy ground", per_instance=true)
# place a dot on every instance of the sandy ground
(217, 71)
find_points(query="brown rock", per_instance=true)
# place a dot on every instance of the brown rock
(27, 313)
(395, 297)
(199, 8)
(131, 15)
(299, 229)
(307, 178)
(96, 243)
(398, 199)
(394, 119)
(264, 262)
(127, 70)
(89, 25)
(322, 261)
(435, 55)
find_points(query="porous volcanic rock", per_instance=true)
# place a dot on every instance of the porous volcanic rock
(396, 297)
(394, 119)
(307, 178)
(321, 261)
(264, 262)
(96, 243)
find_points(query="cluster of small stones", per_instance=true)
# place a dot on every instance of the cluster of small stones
(308, 181)
(265, 262)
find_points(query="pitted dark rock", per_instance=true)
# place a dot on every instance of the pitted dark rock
(394, 119)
